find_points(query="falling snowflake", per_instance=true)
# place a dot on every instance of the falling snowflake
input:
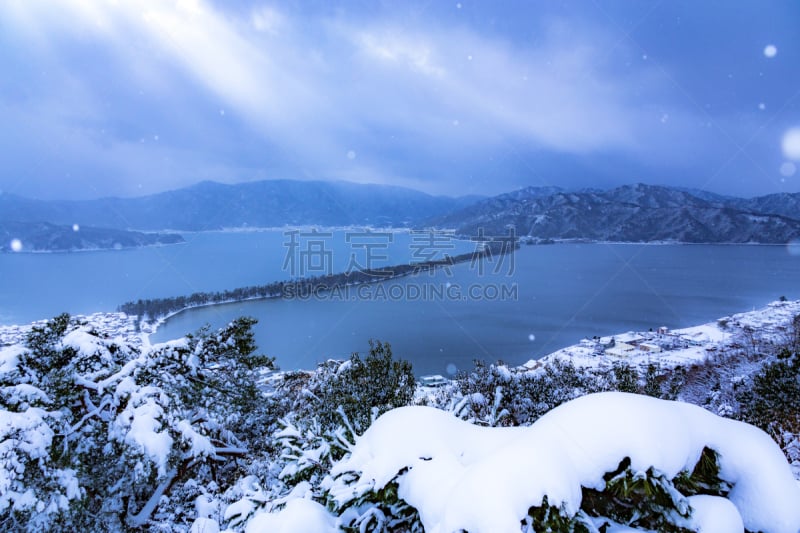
(16, 245)
(770, 50)
(788, 169)
(791, 144)
(351, 155)
(76, 227)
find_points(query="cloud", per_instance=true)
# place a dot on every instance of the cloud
(268, 92)
(268, 19)
(554, 96)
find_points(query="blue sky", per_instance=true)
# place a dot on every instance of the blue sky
(124, 97)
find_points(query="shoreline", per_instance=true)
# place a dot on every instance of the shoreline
(684, 346)
(458, 237)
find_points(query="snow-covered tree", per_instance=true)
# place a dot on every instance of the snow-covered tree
(98, 434)
(771, 400)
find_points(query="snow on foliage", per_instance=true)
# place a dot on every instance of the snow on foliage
(142, 424)
(98, 434)
(462, 477)
(24, 441)
(102, 432)
(298, 516)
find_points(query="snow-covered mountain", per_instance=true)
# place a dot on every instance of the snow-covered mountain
(632, 213)
(786, 204)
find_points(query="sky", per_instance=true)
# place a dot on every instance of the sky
(133, 97)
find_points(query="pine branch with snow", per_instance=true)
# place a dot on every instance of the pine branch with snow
(97, 433)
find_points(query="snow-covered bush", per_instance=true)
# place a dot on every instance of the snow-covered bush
(361, 387)
(495, 395)
(607, 458)
(299, 471)
(322, 412)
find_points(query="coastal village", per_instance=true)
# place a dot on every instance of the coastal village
(671, 348)
(113, 325)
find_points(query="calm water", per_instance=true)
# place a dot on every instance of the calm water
(564, 292)
(37, 286)
(555, 295)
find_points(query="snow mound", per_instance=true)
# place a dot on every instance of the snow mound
(299, 516)
(9, 358)
(204, 525)
(459, 476)
(712, 514)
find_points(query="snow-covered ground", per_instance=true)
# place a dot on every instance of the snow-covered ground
(680, 346)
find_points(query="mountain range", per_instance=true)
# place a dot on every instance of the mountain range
(213, 206)
(631, 213)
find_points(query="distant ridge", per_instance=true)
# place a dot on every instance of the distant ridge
(46, 237)
(212, 206)
(633, 213)
(630, 213)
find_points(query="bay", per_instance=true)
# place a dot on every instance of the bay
(35, 286)
(547, 298)
(554, 296)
